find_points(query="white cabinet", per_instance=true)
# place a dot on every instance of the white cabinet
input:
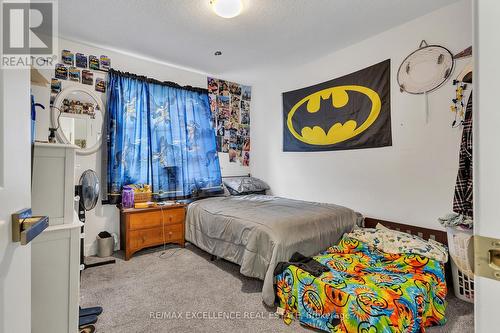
(55, 259)
(53, 182)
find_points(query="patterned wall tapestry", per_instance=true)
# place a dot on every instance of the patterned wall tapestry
(230, 106)
(350, 112)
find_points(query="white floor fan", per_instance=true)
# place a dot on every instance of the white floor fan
(87, 194)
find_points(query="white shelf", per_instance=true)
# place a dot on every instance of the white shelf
(76, 115)
(55, 145)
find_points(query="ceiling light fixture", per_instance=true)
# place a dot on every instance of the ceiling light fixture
(227, 8)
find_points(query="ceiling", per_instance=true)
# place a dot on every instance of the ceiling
(267, 34)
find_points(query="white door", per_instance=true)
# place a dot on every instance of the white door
(487, 151)
(15, 194)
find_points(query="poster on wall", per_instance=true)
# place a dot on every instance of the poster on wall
(230, 107)
(350, 112)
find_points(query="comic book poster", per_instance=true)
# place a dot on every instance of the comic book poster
(230, 107)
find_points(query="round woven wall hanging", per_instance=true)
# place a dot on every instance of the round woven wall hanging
(425, 69)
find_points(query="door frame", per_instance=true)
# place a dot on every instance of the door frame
(486, 123)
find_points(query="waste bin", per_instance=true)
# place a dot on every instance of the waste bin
(105, 244)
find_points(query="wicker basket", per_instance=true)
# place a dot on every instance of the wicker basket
(142, 192)
(143, 196)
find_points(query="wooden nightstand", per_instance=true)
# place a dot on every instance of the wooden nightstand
(145, 227)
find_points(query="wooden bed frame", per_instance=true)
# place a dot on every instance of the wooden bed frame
(424, 233)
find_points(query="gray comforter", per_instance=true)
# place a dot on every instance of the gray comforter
(258, 231)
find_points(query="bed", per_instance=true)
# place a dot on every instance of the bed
(258, 231)
(365, 289)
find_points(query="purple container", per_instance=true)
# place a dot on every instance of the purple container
(127, 197)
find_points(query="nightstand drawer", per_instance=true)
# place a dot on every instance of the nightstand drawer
(155, 236)
(176, 215)
(154, 219)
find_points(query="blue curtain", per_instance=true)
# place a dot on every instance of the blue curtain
(160, 134)
(129, 154)
(185, 158)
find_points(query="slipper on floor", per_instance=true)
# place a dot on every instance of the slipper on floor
(87, 329)
(87, 320)
(95, 310)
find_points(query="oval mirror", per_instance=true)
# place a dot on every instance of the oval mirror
(78, 116)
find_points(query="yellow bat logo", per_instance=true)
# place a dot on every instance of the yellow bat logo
(338, 132)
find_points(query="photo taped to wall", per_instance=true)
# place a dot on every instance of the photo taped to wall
(230, 107)
(213, 86)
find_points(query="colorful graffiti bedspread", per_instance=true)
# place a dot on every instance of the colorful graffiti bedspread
(365, 291)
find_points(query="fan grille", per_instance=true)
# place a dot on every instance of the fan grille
(90, 189)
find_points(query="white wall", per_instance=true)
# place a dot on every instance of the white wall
(106, 217)
(411, 182)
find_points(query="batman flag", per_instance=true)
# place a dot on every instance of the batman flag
(351, 112)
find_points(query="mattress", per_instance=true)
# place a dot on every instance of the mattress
(258, 231)
(365, 290)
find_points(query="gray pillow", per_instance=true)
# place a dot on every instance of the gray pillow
(245, 185)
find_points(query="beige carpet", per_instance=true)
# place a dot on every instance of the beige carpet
(183, 291)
